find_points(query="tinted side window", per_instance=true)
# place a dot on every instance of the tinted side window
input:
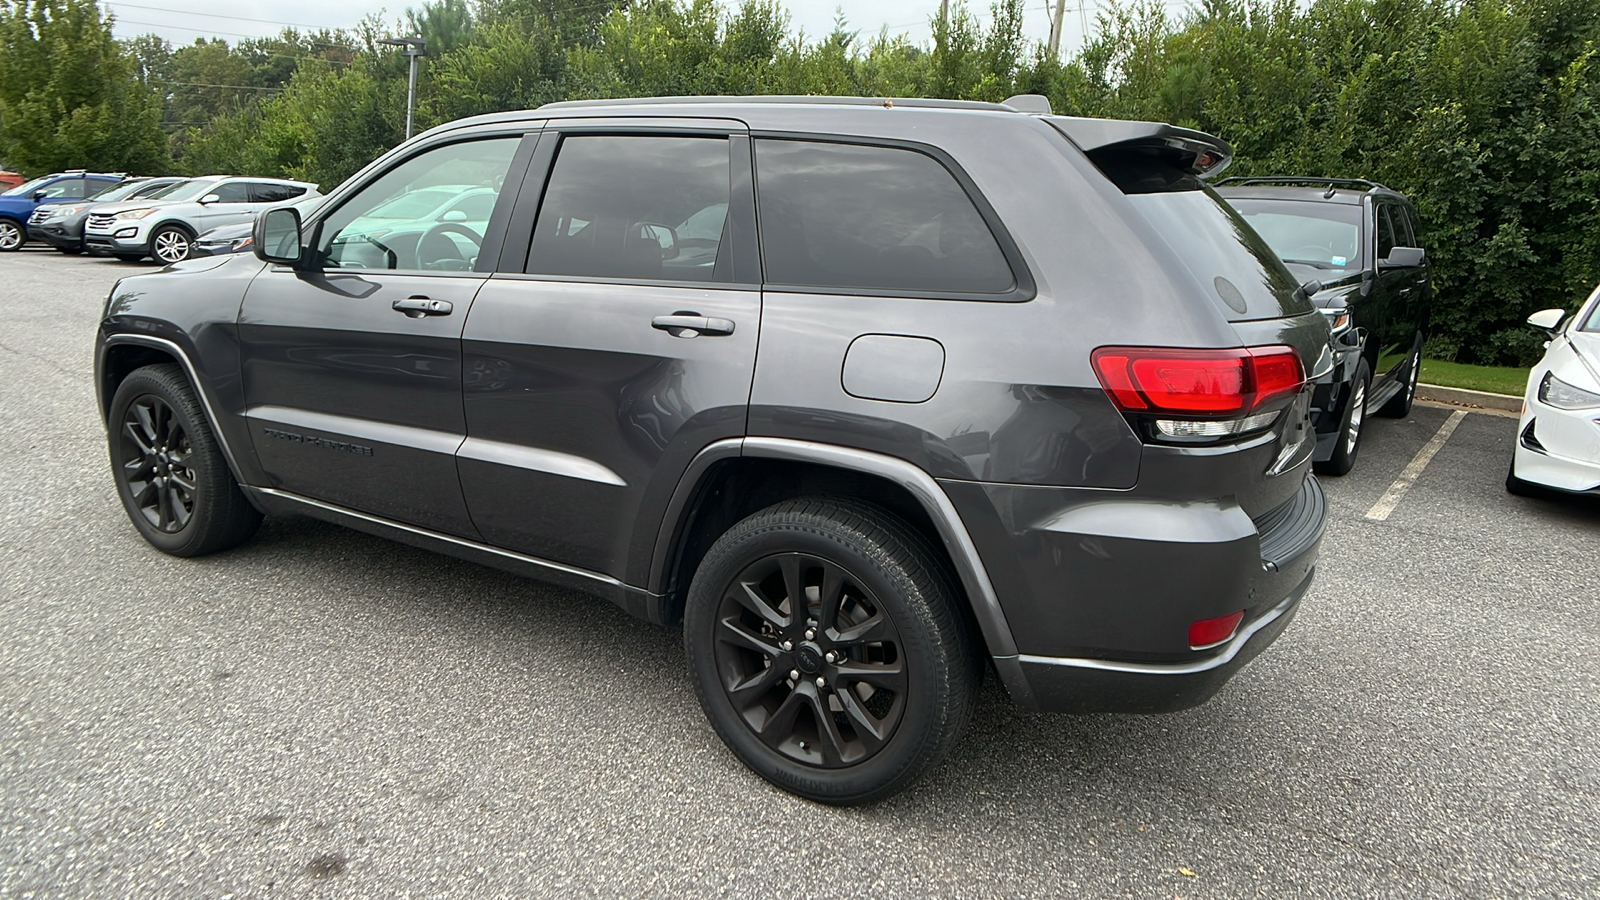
(633, 207)
(232, 192)
(264, 192)
(852, 216)
(1385, 232)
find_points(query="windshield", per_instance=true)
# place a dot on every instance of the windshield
(117, 191)
(166, 191)
(27, 188)
(189, 190)
(414, 205)
(1321, 235)
(1594, 313)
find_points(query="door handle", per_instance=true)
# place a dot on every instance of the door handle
(688, 325)
(417, 307)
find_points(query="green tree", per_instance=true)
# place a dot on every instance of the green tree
(69, 95)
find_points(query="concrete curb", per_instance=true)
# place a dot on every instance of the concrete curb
(1464, 397)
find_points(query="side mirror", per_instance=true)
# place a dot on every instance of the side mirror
(454, 215)
(1404, 258)
(209, 199)
(1548, 320)
(38, 196)
(276, 236)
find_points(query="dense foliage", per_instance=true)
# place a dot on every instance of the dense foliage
(1486, 112)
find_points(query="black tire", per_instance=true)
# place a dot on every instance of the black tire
(129, 257)
(70, 251)
(1399, 406)
(1350, 425)
(903, 693)
(170, 244)
(12, 236)
(171, 477)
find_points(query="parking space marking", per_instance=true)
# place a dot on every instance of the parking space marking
(1397, 490)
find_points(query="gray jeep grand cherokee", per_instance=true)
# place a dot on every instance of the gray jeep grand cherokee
(865, 394)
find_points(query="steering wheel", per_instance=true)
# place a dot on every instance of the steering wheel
(454, 261)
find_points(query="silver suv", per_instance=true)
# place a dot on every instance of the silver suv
(166, 228)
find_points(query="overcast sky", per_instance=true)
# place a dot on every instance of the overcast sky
(181, 21)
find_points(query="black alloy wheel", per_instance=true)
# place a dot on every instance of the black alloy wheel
(171, 476)
(811, 660)
(829, 649)
(155, 459)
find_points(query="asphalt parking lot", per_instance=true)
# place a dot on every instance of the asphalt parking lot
(324, 713)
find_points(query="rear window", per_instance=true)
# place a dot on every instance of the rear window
(850, 216)
(1244, 277)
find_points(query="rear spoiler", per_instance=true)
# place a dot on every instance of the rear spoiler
(1193, 151)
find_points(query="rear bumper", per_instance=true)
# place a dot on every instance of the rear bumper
(1070, 685)
(1100, 591)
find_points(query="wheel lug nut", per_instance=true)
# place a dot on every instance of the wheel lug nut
(830, 656)
(811, 633)
(787, 645)
(822, 682)
(794, 674)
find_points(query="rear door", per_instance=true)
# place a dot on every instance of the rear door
(352, 365)
(617, 339)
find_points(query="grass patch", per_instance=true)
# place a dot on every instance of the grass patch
(1494, 379)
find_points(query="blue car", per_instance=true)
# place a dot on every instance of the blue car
(17, 204)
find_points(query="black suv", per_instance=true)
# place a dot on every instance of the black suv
(1358, 247)
(1026, 392)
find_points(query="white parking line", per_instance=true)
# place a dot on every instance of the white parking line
(1391, 497)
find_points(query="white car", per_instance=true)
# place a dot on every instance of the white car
(1558, 439)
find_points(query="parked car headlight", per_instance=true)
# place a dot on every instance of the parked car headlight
(1555, 392)
(135, 213)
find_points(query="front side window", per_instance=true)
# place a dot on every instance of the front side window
(393, 222)
(1385, 232)
(849, 216)
(26, 188)
(635, 206)
(66, 189)
(232, 192)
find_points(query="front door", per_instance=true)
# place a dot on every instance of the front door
(352, 364)
(601, 360)
(1390, 330)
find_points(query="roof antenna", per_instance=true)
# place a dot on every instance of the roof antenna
(1036, 104)
(1328, 194)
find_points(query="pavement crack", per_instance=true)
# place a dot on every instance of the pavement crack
(43, 359)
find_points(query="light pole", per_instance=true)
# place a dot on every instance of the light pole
(415, 47)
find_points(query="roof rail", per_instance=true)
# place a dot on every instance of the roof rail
(890, 102)
(1309, 181)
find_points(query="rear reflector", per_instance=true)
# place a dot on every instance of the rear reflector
(1198, 382)
(1208, 633)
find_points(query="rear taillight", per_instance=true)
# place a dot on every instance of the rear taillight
(1206, 383)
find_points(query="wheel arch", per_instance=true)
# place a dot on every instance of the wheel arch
(122, 354)
(734, 478)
